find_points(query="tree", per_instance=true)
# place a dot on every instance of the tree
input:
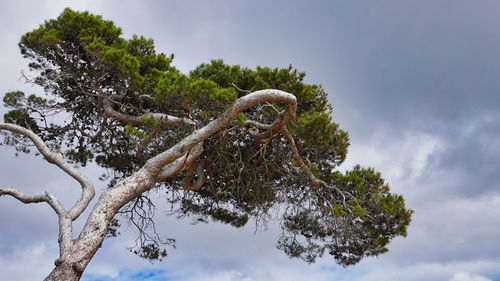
(222, 142)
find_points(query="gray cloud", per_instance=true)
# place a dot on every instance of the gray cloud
(472, 155)
(414, 82)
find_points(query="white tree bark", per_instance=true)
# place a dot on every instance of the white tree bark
(75, 254)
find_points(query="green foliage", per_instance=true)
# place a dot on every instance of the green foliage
(131, 131)
(81, 61)
(13, 99)
(20, 115)
(169, 86)
(222, 74)
(338, 210)
(241, 119)
(316, 128)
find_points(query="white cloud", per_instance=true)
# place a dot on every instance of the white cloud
(222, 276)
(464, 276)
(27, 263)
(369, 270)
(398, 155)
(451, 230)
(404, 159)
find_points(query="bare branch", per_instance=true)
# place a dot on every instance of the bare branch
(275, 126)
(88, 191)
(316, 182)
(65, 227)
(258, 137)
(46, 197)
(136, 120)
(237, 88)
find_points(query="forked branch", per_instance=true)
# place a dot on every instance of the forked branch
(88, 191)
(46, 197)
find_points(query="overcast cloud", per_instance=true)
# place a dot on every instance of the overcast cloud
(414, 82)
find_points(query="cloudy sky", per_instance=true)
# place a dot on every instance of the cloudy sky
(416, 84)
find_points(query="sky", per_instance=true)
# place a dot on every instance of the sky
(414, 82)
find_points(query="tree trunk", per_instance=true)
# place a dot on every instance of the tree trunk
(64, 272)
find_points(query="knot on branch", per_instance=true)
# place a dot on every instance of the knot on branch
(258, 137)
(317, 183)
(78, 267)
(58, 262)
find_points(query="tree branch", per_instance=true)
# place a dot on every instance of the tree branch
(269, 129)
(315, 181)
(190, 166)
(182, 163)
(136, 120)
(65, 227)
(88, 191)
(46, 197)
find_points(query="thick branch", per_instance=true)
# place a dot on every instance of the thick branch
(182, 163)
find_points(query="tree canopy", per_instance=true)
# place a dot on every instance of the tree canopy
(118, 103)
